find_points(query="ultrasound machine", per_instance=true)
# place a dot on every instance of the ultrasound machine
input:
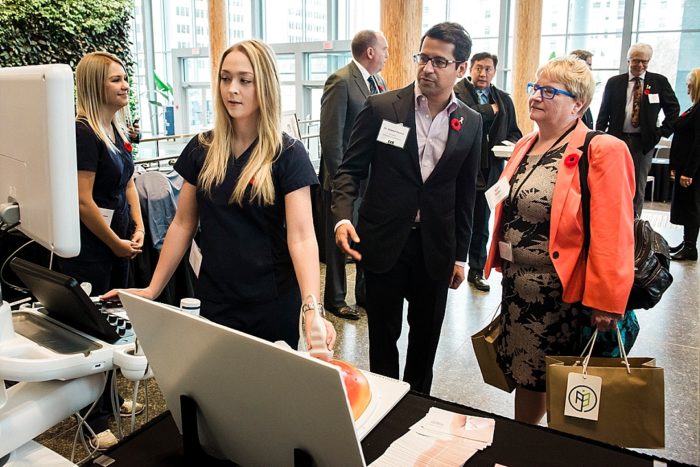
(64, 339)
(58, 348)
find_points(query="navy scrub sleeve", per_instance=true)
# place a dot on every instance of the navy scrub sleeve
(245, 258)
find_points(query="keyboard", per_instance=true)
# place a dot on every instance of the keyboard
(116, 317)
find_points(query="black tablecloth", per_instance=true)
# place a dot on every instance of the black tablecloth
(515, 444)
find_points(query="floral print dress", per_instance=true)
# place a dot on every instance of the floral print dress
(536, 322)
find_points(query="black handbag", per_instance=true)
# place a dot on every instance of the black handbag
(652, 258)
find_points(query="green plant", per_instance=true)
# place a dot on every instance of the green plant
(163, 90)
(34, 32)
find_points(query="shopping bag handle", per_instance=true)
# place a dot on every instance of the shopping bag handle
(588, 350)
(495, 313)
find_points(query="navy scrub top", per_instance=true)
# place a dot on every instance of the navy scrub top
(245, 257)
(112, 173)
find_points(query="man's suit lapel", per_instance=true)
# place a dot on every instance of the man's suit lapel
(405, 110)
(621, 94)
(359, 81)
(649, 84)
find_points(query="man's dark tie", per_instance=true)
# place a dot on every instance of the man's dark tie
(636, 101)
(372, 85)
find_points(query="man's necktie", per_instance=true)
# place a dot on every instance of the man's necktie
(372, 85)
(483, 98)
(636, 101)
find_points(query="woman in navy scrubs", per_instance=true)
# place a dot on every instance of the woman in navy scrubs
(111, 226)
(247, 184)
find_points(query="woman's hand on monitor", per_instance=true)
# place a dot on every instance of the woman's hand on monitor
(112, 294)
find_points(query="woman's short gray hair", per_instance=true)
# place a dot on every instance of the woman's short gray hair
(574, 74)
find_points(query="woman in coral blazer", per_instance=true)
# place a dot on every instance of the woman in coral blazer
(549, 283)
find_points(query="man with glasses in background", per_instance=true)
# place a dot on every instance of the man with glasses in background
(344, 94)
(498, 116)
(630, 111)
(420, 147)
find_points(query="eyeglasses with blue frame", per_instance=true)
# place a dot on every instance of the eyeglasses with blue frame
(546, 92)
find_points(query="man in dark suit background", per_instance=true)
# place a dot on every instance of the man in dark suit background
(422, 146)
(587, 57)
(344, 94)
(630, 111)
(498, 116)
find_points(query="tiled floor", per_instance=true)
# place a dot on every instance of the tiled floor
(670, 332)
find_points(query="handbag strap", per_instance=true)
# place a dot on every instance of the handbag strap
(585, 192)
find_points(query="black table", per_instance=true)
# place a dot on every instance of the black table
(515, 444)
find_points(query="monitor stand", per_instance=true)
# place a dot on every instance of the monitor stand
(195, 454)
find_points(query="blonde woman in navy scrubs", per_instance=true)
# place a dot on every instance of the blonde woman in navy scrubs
(247, 184)
(111, 226)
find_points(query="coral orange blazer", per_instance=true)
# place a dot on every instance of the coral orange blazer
(604, 281)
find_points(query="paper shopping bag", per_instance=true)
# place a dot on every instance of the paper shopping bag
(485, 342)
(631, 404)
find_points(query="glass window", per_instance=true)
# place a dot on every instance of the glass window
(552, 46)
(196, 70)
(434, 12)
(199, 109)
(554, 14)
(321, 65)
(240, 20)
(286, 67)
(588, 17)
(355, 16)
(295, 21)
(289, 102)
(667, 15)
(483, 24)
(605, 49)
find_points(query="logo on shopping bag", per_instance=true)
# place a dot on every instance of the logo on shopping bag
(583, 396)
(583, 399)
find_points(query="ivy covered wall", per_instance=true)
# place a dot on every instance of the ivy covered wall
(34, 32)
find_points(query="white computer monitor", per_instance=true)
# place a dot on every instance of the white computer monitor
(256, 402)
(38, 167)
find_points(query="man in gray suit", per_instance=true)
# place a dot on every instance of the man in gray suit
(344, 94)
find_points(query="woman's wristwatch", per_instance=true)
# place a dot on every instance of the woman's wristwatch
(310, 307)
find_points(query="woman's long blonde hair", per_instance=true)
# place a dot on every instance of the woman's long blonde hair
(91, 76)
(258, 170)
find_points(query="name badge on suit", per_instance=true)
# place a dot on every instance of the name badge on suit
(394, 134)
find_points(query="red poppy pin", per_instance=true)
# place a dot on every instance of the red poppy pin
(647, 89)
(128, 146)
(456, 124)
(646, 92)
(252, 181)
(572, 160)
(381, 88)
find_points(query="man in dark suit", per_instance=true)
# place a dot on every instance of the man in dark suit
(498, 116)
(587, 57)
(420, 148)
(630, 111)
(344, 95)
